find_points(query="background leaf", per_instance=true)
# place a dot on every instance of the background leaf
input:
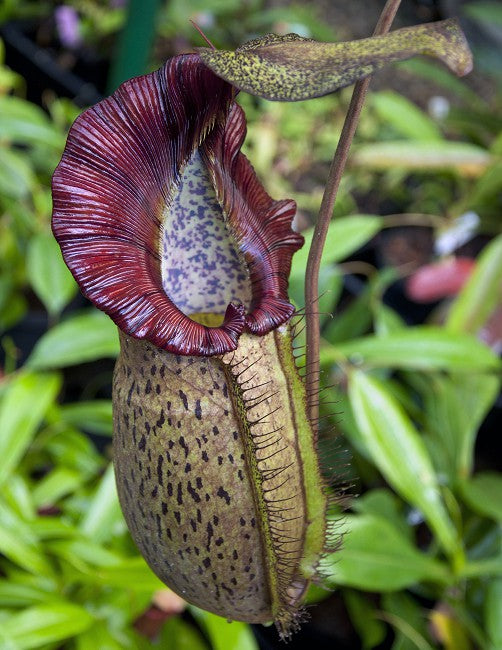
(43, 624)
(85, 337)
(22, 408)
(19, 594)
(463, 158)
(48, 274)
(481, 293)
(493, 613)
(404, 116)
(182, 636)
(421, 348)
(455, 408)
(408, 620)
(130, 574)
(399, 453)
(384, 504)
(25, 123)
(16, 176)
(94, 416)
(55, 485)
(19, 543)
(363, 617)
(225, 635)
(376, 557)
(486, 12)
(483, 493)
(103, 517)
(345, 236)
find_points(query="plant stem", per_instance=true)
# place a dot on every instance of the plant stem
(313, 334)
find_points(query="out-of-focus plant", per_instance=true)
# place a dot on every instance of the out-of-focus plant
(441, 162)
(30, 145)
(232, 21)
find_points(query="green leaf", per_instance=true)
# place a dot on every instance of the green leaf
(46, 527)
(16, 176)
(316, 594)
(386, 320)
(408, 619)
(44, 624)
(55, 485)
(83, 554)
(482, 538)
(421, 348)
(103, 517)
(292, 68)
(72, 449)
(376, 557)
(17, 594)
(399, 452)
(225, 635)
(82, 338)
(463, 158)
(22, 409)
(362, 615)
(454, 626)
(483, 568)
(330, 287)
(483, 493)
(383, 503)
(493, 613)
(132, 574)
(486, 188)
(488, 12)
(407, 637)
(481, 293)
(18, 497)
(48, 274)
(345, 236)
(404, 116)
(440, 78)
(18, 542)
(13, 306)
(94, 416)
(26, 123)
(26, 554)
(354, 320)
(100, 636)
(455, 407)
(346, 423)
(179, 635)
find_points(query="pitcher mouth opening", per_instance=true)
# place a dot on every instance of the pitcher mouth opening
(202, 269)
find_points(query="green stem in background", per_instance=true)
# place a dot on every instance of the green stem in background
(313, 334)
(135, 42)
(11, 355)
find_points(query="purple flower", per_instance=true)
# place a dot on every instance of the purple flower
(68, 26)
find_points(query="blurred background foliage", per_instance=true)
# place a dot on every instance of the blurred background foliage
(411, 321)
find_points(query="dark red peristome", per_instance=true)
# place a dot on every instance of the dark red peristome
(121, 162)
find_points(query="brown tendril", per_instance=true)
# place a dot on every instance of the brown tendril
(321, 228)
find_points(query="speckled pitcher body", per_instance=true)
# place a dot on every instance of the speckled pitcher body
(216, 473)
